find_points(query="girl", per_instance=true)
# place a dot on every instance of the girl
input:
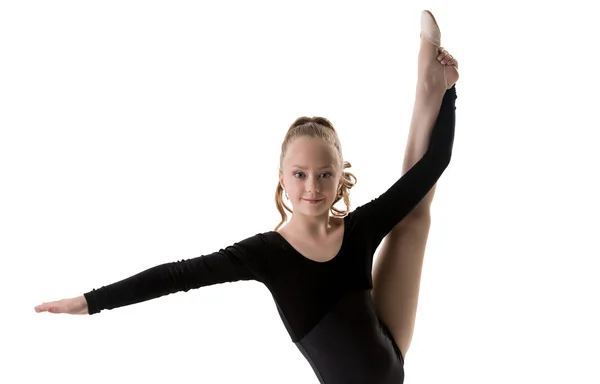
(352, 325)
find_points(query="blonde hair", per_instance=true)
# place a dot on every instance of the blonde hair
(321, 128)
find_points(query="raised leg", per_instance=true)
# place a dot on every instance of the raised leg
(397, 269)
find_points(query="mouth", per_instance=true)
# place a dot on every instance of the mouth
(311, 201)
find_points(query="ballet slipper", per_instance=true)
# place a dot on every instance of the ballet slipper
(430, 30)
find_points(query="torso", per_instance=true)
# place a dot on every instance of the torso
(318, 250)
(322, 288)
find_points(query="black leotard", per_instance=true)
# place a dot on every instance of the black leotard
(325, 306)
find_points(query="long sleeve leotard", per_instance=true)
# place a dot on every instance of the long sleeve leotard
(325, 306)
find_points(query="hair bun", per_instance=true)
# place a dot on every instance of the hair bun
(301, 121)
(323, 121)
(316, 119)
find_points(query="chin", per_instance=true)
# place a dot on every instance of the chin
(315, 211)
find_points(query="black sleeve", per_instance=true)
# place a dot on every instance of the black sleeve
(245, 260)
(383, 213)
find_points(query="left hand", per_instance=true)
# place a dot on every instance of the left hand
(446, 58)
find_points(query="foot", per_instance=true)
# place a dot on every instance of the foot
(433, 74)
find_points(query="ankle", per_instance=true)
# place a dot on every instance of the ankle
(431, 88)
(430, 72)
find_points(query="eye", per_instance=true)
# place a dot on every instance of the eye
(325, 175)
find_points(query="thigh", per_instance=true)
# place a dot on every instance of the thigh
(397, 277)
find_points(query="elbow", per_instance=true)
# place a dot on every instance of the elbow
(443, 159)
(448, 158)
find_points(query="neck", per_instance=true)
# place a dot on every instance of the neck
(316, 226)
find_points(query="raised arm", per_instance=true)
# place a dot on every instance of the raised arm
(383, 213)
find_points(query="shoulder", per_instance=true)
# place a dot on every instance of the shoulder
(252, 253)
(357, 221)
(258, 240)
(259, 245)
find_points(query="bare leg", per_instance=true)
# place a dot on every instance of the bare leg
(397, 269)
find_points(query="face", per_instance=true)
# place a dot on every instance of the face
(311, 176)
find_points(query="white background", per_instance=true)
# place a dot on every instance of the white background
(139, 133)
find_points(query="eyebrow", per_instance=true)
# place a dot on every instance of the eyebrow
(301, 167)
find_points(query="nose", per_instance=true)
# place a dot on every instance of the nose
(312, 186)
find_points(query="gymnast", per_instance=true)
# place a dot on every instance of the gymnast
(353, 321)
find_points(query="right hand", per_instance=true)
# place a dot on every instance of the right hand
(74, 306)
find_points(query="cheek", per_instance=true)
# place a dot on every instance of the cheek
(293, 185)
(331, 184)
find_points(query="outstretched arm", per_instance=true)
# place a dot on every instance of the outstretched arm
(245, 260)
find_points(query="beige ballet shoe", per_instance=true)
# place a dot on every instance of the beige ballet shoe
(430, 30)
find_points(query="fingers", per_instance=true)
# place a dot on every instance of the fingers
(445, 58)
(72, 306)
(51, 307)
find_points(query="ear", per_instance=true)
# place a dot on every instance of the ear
(281, 180)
